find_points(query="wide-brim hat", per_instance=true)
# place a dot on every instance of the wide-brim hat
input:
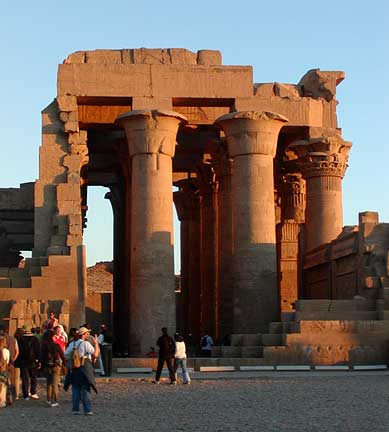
(83, 330)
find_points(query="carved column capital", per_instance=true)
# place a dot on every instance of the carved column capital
(186, 200)
(251, 132)
(151, 131)
(324, 156)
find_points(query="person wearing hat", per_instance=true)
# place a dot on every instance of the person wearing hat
(82, 378)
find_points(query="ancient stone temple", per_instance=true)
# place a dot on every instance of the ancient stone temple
(257, 174)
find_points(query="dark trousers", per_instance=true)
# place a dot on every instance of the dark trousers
(169, 364)
(28, 381)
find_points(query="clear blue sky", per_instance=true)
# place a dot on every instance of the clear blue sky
(281, 40)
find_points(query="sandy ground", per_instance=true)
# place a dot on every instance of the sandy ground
(284, 403)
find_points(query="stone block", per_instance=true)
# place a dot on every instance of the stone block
(140, 103)
(58, 250)
(216, 351)
(251, 351)
(155, 80)
(201, 81)
(35, 271)
(71, 126)
(217, 368)
(332, 368)
(4, 272)
(135, 370)
(5, 283)
(58, 240)
(68, 192)
(18, 273)
(209, 57)
(251, 339)
(236, 340)
(256, 368)
(103, 56)
(21, 282)
(272, 339)
(67, 103)
(299, 112)
(370, 367)
(231, 351)
(264, 90)
(293, 368)
(286, 90)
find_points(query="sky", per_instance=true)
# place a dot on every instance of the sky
(281, 40)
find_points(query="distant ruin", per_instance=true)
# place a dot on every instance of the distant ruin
(258, 171)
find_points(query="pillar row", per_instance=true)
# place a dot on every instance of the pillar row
(151, 138)
(323, 163)
(252, 142)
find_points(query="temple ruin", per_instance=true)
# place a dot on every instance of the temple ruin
(257, 173)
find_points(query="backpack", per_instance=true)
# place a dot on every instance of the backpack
(76, 361)
(204, 341)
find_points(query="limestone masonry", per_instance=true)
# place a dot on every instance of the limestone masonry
(257, 170)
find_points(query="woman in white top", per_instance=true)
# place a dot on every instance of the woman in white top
(180, 358)
(4, 360)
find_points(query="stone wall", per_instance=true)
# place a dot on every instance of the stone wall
(354, 264)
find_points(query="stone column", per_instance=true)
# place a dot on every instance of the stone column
(187, 205)
(289, 237)
(252, 141)
(208, 250)
(151, 137)
(322, 162)
(223, 167)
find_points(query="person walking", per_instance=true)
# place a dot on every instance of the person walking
(81, 377)
(165, 355)
(4, 359)
(206, 344)
(180, 358)
(13, 348)
(28, 362)
(52, 358)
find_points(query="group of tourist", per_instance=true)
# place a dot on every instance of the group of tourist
(51, 351)
(173, 353)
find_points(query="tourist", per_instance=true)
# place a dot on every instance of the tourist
(81, 378)
(51, 322)
(28, 362)
(13, 348)
(206, 345)
(180, 358)
(104, 339)
(18, 335)
(59, 338)
(4, 360)
(52, 359)
(73, 334)
(166, 352)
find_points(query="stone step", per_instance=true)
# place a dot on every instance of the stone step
(246, 339)
(5, 282)
(273, 339)
(335, 305)
(35, 271)
(317, 315)
(284, 327)
(288, 316)
(217, 368)
(239, 352)
(21, 282)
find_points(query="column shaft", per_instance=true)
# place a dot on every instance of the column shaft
(152, 263)
(324, 214)
(255, 264)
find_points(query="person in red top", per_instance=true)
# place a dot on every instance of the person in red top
(59, 338)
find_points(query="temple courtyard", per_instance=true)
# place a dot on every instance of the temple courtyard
(274, 401)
